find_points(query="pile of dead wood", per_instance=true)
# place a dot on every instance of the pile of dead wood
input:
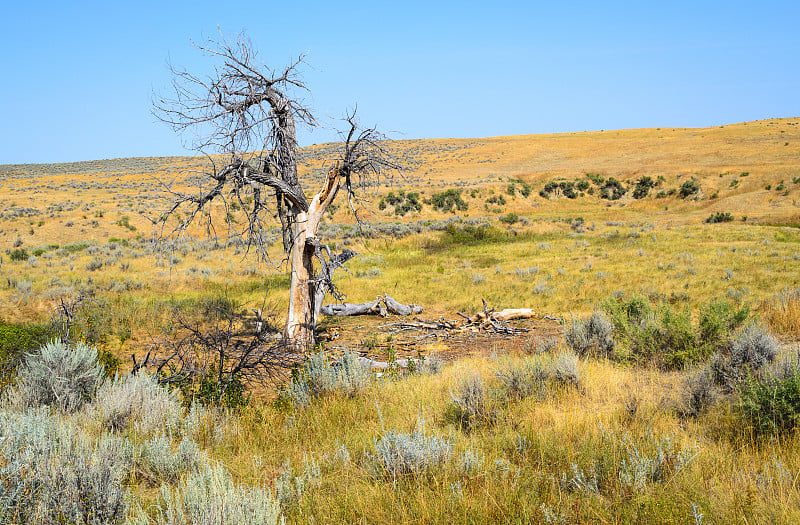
(489, 319)
(495, 320)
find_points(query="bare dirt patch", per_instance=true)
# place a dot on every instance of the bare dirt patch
(378, 337)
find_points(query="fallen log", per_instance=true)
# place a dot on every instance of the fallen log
(513, 313)
(400, 309)
(373, 308)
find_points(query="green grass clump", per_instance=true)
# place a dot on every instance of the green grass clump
(16, 340)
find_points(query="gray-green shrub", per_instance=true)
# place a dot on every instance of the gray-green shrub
(138, 402)
(290, 488)
(618, 463)
(53, 474)
(398, 454)
(319, 377)
(742, 364)
(210, 497)
(470, 462)
(537, 375)
(469, 407)
(750, 349)
(432, 364)
(160, 462)
(57, 375)
(591, 336)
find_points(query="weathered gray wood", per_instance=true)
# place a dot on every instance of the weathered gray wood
(400, 309)
(375, 307)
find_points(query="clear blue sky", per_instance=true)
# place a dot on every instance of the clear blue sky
(78, 77)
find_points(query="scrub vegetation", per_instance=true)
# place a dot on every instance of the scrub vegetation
(660, 381)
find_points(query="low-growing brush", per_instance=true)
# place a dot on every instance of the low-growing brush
(210, 497)
(53, 474)
(57, 375)
(319, 377)
(138, 402)
(398, 454)
(469, 407)
(591, 336)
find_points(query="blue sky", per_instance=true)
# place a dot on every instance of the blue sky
(78, 78)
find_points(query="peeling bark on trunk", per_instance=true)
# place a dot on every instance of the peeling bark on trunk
(301, 318)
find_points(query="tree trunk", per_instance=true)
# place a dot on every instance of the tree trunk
(299, 331)
(301, 318)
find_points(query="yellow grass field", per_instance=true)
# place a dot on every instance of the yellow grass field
(718, 219)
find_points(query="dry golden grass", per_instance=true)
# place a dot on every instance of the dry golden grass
(657, 247)
(782, 313)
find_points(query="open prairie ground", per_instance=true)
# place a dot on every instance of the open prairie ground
(566, 224)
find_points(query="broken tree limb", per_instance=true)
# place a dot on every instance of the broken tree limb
(400, 309)
(341, 310)
(494, 321)
(375, 307)
(513, 313)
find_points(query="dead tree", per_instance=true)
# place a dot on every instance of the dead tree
(244, 117)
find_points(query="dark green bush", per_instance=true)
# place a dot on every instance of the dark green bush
(447, 200)
(403, 202)
(771, 405)
(19, 254)
(643, 187)
(207, 389)
(17, 340)
(718, 319)
(688, 188)
(510, 218)
(496, 199)
(665, 337)
(596, 178)
(612, 189)
(719, 217)
(526, 189)
(567, 189)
